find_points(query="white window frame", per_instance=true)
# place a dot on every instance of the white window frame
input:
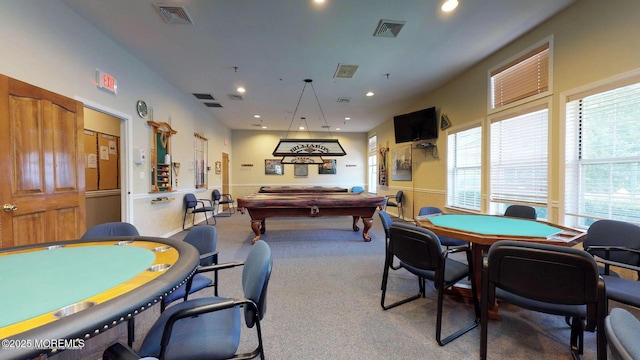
(491, 109)
(568, 213)
(372, 164)
(451, 203)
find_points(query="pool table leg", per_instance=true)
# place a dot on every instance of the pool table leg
(258, 228)
(367, 225)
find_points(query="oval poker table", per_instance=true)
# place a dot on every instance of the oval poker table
(73, 290)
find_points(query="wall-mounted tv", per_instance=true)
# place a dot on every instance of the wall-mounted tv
(416, 126)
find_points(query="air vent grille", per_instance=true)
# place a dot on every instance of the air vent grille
(174, 14)
(234, 97)
(212, 105)
(345, 71)
(201, 96)
(388, 28)
(344, 100)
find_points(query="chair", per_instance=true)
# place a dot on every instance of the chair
(551, 279)
(111, 229)
(204, 238)
(399, 197)
(420, 253)
(194, 206)
(622, 329)
(357, 189)
(521, 211)
(210, 328)
(115, 229)
(223, 199)
(446, 241)
(616, 243)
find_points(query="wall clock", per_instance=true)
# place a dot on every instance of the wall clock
(141, 106)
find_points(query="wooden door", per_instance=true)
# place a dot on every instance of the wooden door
(41, 165)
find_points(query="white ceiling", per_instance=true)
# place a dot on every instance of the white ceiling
(276, 44)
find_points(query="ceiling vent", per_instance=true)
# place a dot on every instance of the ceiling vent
(234, 97)
(388, 28)
(345, 71)
(201, 96)
(212, 105)
(174, 14)
(344, 100)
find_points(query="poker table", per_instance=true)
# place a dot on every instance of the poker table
(73, 290)
(484, 230)
(301, 189)
(264, 205)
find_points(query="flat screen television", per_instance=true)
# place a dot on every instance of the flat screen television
(416, 126)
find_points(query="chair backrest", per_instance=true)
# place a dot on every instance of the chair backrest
(111, 229)
(399, 196)
(429, 210)
(216, 195)
(415, 246)
(550, 273)
(255, 279)
(521, 211)
(386, 220)
(622, 329)
(618, 233)
(190, 200)
(357, 189)
(205, 239)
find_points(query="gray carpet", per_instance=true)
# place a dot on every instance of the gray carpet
(324, 302)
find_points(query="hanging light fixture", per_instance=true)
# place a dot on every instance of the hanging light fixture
(307, 151)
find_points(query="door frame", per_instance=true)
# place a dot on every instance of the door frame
(126, 146)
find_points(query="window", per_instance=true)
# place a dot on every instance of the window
(373, 164)
(602, 167)
(524, 78)
(519, 159)
(464, 169)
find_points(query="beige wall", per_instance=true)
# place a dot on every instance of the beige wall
(253, 147)
(593, 40)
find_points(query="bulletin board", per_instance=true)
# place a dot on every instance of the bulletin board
(102, 160)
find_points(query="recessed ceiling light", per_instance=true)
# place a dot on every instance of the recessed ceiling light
(318, 1)
(256, 116)
(264, 126)
(241, 89)
(449, 5)
(370, 93)
(347, 118)
(301, 128)
(337, 129)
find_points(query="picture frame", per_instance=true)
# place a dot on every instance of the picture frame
(327, 167)
(273, 167)
(300, 170)
(401, 165)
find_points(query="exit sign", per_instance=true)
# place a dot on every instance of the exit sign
(106, 82)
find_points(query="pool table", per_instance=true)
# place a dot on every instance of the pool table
(264, 205)
(483, 230)
(57, 295)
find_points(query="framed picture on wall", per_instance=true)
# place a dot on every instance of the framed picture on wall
(401, 163)
(300, 169)
(327, 167)
(273, 167)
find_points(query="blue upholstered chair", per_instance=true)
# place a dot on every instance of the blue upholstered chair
(420, 253)
(193, 206)
(357, 189)
(210, 328)
(115, 229)
(205, 239)
(399, 202)
(616, 243)
(223, 200)
(556, 280)
(622, 329)
(111, 229)
(445, 241)
(521, 211)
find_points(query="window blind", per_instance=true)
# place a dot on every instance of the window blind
(602, 167)
(519, 158)
(464, 160)
(524, 77)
